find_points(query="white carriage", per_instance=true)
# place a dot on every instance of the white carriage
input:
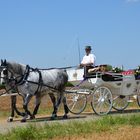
(105, 89)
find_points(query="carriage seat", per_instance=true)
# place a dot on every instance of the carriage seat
(107, 77)
(112, 77)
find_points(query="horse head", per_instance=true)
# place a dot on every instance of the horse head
(3, 71)
(10, 71)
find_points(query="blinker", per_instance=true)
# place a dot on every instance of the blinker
(5, 72)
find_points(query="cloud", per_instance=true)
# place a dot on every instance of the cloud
(132, 0)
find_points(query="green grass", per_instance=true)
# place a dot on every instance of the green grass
(49, 131)
(3, 114)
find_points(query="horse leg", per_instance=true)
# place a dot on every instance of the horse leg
(59, 100)
(25, 107)
(37, 104)
(53, 99)
(65, 108)
(13, 102)
(15, 108)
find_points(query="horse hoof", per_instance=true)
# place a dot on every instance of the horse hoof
(65, 117)
(23, 120)
(10, 119)
(32, 117)
(53, 117)
(23, 114)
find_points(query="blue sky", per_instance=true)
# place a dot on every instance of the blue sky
(45, 33)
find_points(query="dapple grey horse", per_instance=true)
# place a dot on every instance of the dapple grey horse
(10, 88)
(34, 82)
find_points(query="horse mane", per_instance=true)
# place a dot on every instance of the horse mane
(16, 67)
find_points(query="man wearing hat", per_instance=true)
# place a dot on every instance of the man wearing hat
(89, 58)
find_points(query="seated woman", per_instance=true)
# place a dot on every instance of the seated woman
(100, 68)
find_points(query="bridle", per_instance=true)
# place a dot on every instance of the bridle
(12, 81)
(19, 80)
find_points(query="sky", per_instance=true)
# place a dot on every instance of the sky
(53, 33)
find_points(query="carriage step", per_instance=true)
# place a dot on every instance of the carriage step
(130, 101)
(78, 91)
(83, 92)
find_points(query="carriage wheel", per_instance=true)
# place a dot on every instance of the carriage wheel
(102, 100)
(76, 102)
(138, 100)
(120, 102)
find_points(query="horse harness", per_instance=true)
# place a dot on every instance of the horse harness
(24, 78)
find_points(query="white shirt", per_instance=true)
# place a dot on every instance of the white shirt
(89, 59)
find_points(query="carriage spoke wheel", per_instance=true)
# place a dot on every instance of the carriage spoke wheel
(76, 102)
(102, 100)
(138, 100)
(120, 102)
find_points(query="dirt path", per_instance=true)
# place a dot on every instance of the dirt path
(42, 120)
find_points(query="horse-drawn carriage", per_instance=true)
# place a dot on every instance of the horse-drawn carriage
(104, 89)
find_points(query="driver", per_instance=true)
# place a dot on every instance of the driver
(88, 59)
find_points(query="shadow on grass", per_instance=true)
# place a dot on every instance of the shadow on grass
(59, 118)
(125, 111)
(49, 119)
(113, 112)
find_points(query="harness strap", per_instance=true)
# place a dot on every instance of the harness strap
(40, 82)
(7, 91)
(24, 77)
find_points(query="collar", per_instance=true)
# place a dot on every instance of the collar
(24, 76)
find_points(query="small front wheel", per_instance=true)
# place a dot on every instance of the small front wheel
(76, 102)
(138, 100)
(120, 102)
(102, 100)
